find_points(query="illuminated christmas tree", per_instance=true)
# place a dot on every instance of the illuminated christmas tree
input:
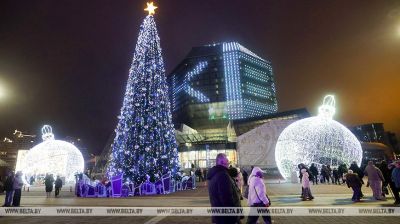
(145, 141)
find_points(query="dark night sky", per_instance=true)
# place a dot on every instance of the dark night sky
(65, 63)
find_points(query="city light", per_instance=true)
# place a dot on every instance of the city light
(151, 8)
(2, 92)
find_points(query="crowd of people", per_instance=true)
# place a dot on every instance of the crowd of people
(382, 178)
(14, 183)
(49, 182)
(228, 185)
(225, 188)
(13, 188)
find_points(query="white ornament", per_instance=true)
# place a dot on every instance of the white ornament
(54, 157)
(318, 140)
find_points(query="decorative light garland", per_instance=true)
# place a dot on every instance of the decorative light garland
(145, 139)
(318, 140)
(53, 157)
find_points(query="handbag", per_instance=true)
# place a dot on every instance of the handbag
(261, 204)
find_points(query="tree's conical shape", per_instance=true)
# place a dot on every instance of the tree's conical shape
(145, 140)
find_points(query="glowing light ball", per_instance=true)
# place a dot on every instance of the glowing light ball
(54, 157)
(319, 139)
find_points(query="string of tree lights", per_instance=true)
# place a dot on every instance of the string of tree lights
(145, 141)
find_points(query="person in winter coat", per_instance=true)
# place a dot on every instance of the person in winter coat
(302, 166)
(305, 184)
(396, 182)
(329, 169)
(356, 169)
(387, 175)
(257, 195)
(354, 182)
(325, 174)
(314, 173)
(17, 186)
(335, 174)
(222, 190)
(48, 182)
(234, 173)
(58, 185)
(8, 187)
(375, 179)
(245, 176)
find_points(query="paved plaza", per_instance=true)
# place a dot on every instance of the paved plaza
(281, 194)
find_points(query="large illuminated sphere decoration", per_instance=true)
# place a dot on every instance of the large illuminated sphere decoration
(319, 140)
(54, 157)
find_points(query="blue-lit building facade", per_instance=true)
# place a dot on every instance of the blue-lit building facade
(213, 86)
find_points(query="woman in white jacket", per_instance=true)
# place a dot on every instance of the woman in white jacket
(257, 194)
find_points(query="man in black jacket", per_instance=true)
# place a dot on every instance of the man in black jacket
(314, 173)
(221, 190)
(8, 187)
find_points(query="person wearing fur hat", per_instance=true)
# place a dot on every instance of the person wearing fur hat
(305, 184)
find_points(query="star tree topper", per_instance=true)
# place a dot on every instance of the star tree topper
(151, 8)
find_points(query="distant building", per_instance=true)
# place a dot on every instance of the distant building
(223, 81)
(377, 144)
(369, 132)
(246, 142)
(213, 86)
(9, 148)
(376, 152)
(257, 138)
